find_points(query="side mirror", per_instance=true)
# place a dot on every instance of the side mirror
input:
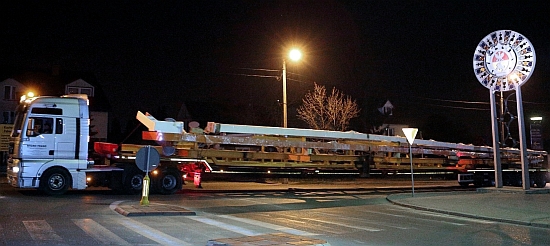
(30, 128)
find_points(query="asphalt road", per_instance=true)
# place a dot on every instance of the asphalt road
(340, 217)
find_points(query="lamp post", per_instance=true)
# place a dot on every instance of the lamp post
(294, 55)
(410, 133)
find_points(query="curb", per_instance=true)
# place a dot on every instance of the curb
(133, 209)
(466, 215)
(268, 239)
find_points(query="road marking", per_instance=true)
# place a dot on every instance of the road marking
(269, 226)
(361, 220)
(225, 226)
(411, 210)
(420, 212)
(363, 228)
(99, 232)
(449, 216)
(151, 233)
(41, 230)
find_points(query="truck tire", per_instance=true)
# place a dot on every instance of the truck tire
(541, 183)
(133, 181)
(55, 181)
(169, 182)
(540, 180)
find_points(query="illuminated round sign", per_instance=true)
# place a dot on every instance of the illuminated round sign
(504, 60)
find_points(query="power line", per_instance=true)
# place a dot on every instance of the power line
(453, 101)
(254, 75)
(259, 69)
(455, 107)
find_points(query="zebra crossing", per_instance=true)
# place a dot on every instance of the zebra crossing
(99, 233)
(161, 230)
(106, 229)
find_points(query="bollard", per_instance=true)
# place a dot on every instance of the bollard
(145, 192)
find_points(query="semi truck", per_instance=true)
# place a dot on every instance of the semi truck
(56, 160)
(49, 151)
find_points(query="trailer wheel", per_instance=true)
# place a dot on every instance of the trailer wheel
(133, 181)
(55, 181)
(540, 180)
(540, 183)
(169, 183)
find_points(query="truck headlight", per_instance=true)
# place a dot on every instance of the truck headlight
(15, 169)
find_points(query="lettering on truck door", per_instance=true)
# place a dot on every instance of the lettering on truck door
(41, 138)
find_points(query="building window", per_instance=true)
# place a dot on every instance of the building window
(8, 117)
(80, 90)
(9, 93)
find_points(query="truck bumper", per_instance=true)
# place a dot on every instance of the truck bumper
(15, 176)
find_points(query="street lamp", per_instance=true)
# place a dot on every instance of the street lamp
(294, 55)
(410, 133)
(27, 96)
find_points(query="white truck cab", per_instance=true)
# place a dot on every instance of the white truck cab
(49, 144)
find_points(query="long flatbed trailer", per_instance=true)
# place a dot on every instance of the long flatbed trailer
(230, 146)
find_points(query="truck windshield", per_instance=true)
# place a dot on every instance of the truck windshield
(20, 113)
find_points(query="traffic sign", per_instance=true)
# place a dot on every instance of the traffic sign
(147, 158)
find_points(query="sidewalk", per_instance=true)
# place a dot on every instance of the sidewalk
(509, 204)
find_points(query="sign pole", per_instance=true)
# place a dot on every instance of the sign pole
(522, 143)
(145, 189)
(410, 133)
(496, 145)
(412, 172)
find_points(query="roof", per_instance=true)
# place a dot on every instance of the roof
(52, 83)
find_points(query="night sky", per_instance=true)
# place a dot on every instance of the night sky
(157, 54)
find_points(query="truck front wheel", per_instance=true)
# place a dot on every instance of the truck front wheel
(55, 181)
(169, 182)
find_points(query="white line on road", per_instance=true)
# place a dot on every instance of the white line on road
(364, 228)
(99, 233)
(269, 226)
(361, 220)
(225, 226)
(416, 218)
(449, 216)
(41, 230)
(151, 233)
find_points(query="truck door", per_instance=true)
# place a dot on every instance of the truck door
(41, 139)
(65, 138)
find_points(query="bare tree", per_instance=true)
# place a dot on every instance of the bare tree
(332, 112)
